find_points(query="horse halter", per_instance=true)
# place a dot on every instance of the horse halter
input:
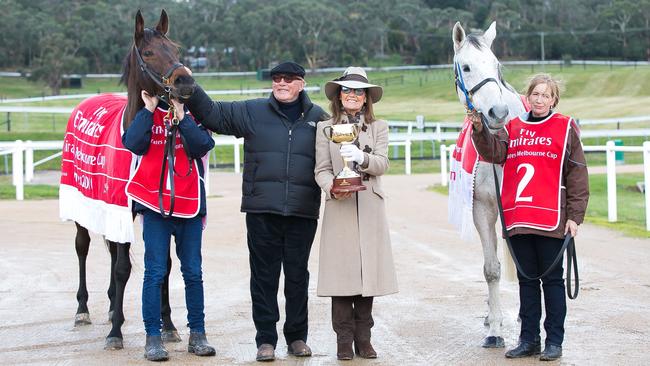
(460, 84)
(162, 81)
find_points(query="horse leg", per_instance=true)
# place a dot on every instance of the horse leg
(112, 248)
(485, 219)
(82, 244)
(169, 331)
(122, 272)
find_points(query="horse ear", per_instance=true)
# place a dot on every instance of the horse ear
(458, 36)
(139, 27)
(163, 23)
(490, 34)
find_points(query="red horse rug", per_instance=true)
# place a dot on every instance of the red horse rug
(95, 169)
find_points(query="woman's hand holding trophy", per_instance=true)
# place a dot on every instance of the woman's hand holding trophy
(347, 181)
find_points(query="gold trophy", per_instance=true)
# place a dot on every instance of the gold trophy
(347, 180)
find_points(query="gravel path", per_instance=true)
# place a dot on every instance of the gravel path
(436, 319)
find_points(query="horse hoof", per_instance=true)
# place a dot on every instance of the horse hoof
(82, 319)
(113, 343)
(170, 336)
(110, 316)
(493, 342)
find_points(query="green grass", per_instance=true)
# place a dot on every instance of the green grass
(630, 203)
(592, 92)
(30, 191)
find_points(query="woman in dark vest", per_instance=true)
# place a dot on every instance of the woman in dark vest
(544, 193)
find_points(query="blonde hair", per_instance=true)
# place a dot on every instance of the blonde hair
(551, 83)
(336, 107)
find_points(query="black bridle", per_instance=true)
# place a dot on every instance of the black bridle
(162, 81)
(171, 130)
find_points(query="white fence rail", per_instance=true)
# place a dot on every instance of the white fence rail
(23, 164)
(23, 161)
(610, 150)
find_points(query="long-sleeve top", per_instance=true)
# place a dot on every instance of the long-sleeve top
(198, 142)
(575, 180)
(279, 153)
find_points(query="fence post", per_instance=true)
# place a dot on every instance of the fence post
(611, 181)
(17, 158)
(443, 165)
(646, 179)
(29, 161)
(407, 157)
(236, 151)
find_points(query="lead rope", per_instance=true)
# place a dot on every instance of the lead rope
(171, 126)
(169, 155)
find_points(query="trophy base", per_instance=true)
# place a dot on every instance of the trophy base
(347, 185)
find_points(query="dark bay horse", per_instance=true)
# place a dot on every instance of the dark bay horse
(95, 168)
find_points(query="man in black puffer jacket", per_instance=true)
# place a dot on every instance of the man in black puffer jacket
(279, 195)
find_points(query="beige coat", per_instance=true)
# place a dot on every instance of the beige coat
(355, 250)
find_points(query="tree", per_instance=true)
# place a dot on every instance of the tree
(56, 59)
(313, 27)
(619, 14)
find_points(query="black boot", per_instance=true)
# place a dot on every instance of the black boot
(524, 349)
(154, 349)
(199, 345)
(551, 353)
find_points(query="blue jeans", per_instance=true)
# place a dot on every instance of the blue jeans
(157, 232)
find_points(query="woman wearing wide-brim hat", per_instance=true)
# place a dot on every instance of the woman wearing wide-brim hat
(356, 261)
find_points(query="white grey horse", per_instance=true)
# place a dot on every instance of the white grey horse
(498, 102)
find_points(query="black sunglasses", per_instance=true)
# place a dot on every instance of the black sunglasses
(287, 78)
(357, 92)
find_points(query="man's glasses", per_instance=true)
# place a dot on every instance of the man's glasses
(287, 78)
(357, 92)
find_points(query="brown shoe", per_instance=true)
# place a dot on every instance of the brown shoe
(364, 349)
(344, 351)
(299, 349)
(265, 352)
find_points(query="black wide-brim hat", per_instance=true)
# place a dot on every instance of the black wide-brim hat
(353, 78)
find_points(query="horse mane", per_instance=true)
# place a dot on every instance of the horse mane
(474, 40)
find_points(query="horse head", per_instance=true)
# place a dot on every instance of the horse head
(479, 82)
(153, 65)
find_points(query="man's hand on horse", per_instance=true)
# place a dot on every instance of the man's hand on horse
(572, 227)
(150, 102)
(477, 123)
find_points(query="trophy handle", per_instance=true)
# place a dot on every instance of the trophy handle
(328, 135)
